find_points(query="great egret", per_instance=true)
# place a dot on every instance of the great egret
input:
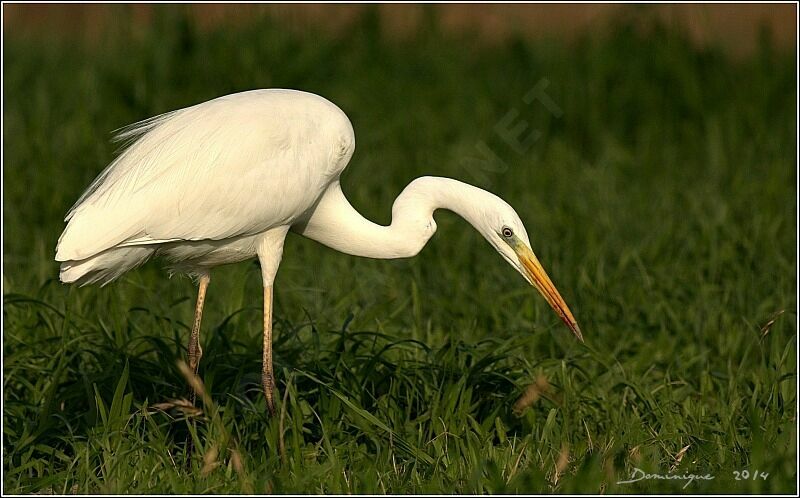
(225, 180)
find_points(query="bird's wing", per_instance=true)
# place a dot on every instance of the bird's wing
(233, 166)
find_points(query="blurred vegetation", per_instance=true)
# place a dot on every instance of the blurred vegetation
(658, 192)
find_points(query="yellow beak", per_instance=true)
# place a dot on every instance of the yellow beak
(538, 277)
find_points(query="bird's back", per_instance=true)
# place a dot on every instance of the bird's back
(230, 167)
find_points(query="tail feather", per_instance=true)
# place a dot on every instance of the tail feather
(106, 266)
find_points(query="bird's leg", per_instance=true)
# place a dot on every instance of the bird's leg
(270, 250)
(267, 378)
(195, 351)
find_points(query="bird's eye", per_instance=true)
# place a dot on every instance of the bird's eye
(507, 232)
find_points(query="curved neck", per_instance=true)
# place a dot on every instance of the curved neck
(335, 223)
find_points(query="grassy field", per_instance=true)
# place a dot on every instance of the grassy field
(658, 191)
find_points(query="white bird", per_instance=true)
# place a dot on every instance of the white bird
(225, 181)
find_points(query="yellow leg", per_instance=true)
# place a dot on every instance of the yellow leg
(195, 353)
(267, 378)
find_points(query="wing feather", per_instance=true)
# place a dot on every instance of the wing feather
(127, 136)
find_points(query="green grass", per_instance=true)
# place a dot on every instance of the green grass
(661, 200)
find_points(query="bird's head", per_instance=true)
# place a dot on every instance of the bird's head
(502, 227)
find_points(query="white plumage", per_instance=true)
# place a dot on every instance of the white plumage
(225, 180)
(191, 177)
